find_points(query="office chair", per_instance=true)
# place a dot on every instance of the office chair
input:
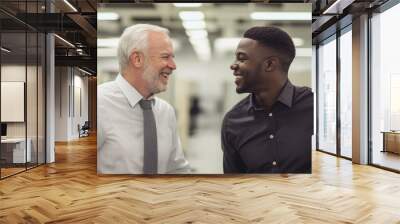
(84, 130)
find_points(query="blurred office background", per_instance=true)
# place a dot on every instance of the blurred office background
(205, 37)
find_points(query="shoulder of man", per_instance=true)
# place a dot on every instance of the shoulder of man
(240, 106)
(106, 88)
(238, 110)
(163, 104)
(303, 94)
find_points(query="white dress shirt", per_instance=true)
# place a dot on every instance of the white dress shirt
(120, 132)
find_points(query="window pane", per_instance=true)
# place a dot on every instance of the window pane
(385, 89)
(327, 97)
(345, 94)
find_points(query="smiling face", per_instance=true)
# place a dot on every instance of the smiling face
(248, 66)
(159, 62)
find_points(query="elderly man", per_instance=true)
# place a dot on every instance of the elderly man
(137, 132)
(270, 130)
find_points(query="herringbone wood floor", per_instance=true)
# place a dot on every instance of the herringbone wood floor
(69, 191)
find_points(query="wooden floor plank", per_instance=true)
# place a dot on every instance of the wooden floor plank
(70, 191)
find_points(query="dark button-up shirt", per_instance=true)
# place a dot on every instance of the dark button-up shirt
(278, 141)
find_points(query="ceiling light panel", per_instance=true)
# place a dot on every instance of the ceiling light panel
(193, 25)
(191, 15)
(305, 16)
(197, 33)
(187, 5)
(298, 41)
(107, 16)
(107, 42)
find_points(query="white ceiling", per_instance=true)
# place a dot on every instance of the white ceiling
(222, 20)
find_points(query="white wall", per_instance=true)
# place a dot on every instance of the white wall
(69, 83)
(79, 117)
(61, 103)
(14, 73)
(33, 126)
(17, 73)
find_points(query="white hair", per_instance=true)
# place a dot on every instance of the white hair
(135, 38)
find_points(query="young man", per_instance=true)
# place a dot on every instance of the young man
(137, 132)
(270, 130)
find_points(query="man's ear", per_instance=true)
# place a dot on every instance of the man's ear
(270, 64)
(137, 59)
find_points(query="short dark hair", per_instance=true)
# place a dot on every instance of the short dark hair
(276, 39)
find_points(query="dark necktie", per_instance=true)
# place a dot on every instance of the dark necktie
(150, 138)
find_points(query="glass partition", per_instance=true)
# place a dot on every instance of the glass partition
(327, 96)
(385, 89)
(13, 105)
(346, 93)
(22, 88)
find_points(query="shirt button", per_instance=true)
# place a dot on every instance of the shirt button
(270, 115)
(271, 136)
(274, 163)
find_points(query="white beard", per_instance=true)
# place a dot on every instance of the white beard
(152, 78)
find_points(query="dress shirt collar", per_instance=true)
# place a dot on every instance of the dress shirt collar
(130, 91)
(285, 97)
